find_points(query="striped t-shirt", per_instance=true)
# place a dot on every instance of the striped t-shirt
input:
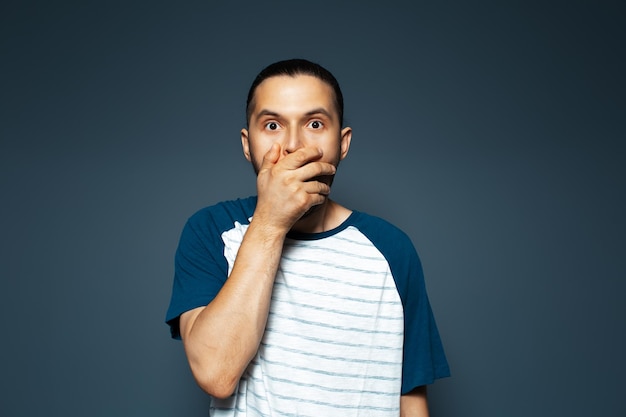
(350, 327)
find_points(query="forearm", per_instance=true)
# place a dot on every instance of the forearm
(415, 403)
(221, 338)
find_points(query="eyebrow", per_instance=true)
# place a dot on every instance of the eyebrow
(320, 110)
(266, 112)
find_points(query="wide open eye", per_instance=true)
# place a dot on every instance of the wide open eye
(271, 126)
(316, 124)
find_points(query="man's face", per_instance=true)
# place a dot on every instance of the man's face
(295, 112)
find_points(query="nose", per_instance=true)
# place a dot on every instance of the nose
(293, 140)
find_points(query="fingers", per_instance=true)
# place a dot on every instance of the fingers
(289, 184)
(303, 162)
(301, 157)
(314, 170)
(317, 187)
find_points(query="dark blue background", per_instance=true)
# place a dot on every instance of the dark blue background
(493, 133)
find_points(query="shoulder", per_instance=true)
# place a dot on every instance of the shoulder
(380, 231)
(393, 243)
(223, 215)
(397, 249)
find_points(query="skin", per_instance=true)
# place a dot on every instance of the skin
(295, 143)
(297, 114)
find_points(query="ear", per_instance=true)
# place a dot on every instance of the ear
(346, 138)
(245, 144)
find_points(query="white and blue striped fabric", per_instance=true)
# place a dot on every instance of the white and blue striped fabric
(349, 329)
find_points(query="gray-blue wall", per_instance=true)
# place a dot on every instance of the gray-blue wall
(492, 133)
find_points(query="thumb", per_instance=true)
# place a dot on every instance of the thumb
(271, 157)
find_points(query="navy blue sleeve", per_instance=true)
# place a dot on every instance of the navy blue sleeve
(424, 359)
(200, 268)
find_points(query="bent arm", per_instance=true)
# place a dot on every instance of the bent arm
(415, 403)
(221, 338)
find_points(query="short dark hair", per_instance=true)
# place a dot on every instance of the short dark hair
(293, 67)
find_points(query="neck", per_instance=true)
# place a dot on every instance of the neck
(321, 218)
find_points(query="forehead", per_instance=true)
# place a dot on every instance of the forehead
(286, 93)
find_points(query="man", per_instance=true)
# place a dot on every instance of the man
(289, 303)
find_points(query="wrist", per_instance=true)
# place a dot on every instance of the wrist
(269, 230)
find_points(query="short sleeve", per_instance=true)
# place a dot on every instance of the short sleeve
(200, 269)
(424, 359)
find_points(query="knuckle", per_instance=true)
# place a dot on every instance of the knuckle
(301, 200)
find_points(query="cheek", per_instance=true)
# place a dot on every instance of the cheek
(333, 150)
(260, 143)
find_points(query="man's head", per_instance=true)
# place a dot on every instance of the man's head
(292, 68)
(298, 106)
(295, 104)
